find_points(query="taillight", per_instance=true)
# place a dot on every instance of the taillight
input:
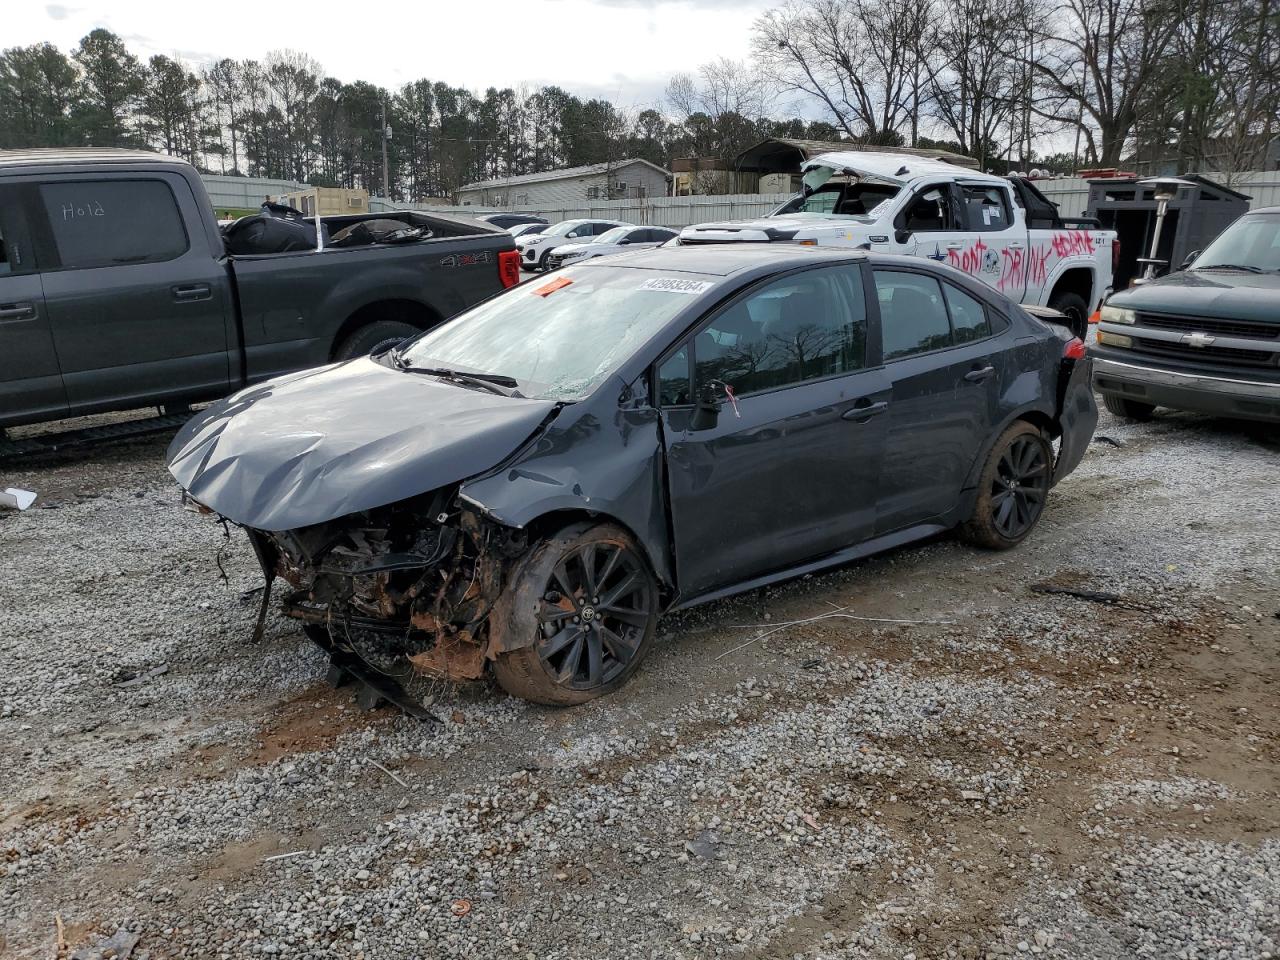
(509, 267)
(1115, 259)
(1074, 350)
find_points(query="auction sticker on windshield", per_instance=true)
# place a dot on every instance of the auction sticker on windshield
(676, 285)
(549, 288)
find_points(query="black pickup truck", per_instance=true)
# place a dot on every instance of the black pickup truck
(118, 288)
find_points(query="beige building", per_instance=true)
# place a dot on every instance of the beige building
(703, 176)
(620, 180)
(330, 201)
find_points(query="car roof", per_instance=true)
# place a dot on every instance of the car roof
(63, 156)
(721, 260)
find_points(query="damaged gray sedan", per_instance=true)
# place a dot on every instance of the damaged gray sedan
(525, 489)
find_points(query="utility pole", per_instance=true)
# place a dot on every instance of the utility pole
(386, 135)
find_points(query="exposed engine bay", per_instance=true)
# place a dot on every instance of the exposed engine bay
(406, 588)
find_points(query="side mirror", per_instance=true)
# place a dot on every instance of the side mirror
(706, 411)
(1189, 259)
(624, 243)
(902, 236)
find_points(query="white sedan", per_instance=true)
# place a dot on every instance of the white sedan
(535, 249)
(617, 240)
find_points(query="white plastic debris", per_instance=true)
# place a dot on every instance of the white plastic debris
(16, 499)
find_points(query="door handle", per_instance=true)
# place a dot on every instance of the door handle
(980, 374)
(955, 245)
(195, 291)
(17, 311)
(1014, 245)
(863, 414)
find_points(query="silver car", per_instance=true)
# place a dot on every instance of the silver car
(617, 240)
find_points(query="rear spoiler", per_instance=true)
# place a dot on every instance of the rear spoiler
(1048, 315)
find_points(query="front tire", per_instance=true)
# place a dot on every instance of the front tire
(1128, 409)
(589, 601)
(1012, 488)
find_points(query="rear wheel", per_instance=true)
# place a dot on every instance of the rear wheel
(1129, 409)
(590, 602)
(1012, 488)
(374, 338)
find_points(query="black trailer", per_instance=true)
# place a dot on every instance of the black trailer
(1197, 214)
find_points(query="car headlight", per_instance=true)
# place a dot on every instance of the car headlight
(1112, 314)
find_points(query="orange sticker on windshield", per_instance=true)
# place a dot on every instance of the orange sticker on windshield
(550, 288)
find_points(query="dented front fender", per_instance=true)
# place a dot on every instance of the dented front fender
(579, 466)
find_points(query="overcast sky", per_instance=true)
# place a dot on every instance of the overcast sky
(621, 49)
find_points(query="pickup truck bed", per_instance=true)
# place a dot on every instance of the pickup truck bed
(117, 290)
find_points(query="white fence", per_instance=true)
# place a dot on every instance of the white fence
(652, 211)
(1070, 193)
(244, 193)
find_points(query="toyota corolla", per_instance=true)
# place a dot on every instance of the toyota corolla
(524, 490)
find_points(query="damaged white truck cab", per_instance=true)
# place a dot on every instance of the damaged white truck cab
(1000, 230)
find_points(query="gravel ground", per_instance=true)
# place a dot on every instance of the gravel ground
(1038, 775)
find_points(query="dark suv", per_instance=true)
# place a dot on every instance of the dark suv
(1204, 338)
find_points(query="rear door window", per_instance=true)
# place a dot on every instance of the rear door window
(97, 223)
(968, 316)
(986, 207)
(913, 316)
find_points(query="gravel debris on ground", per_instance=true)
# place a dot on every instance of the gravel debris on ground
(1043, 776)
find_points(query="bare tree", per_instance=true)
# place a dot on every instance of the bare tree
(293, 79)
(227, 90)
(1104, 57)
(724, 108)
(858, 57)
(976, 88)
(1227, 84)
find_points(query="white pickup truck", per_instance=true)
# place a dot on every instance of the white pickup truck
(997, 229)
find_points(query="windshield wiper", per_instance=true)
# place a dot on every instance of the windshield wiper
(1232, 266)
(494, 382)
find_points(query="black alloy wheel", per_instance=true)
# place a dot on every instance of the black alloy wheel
(587, 602)
(1020, 487)
(594, 615)
(1012, 489)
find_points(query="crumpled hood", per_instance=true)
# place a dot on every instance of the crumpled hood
(1224, 295)
(315, 446)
